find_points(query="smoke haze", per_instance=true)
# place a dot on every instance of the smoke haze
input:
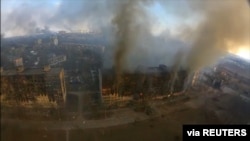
(127, 30)
(225, 25)
(203, 30)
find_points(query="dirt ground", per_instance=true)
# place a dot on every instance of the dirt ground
(202, 108)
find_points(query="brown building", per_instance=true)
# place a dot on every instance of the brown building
(149, 81)
(32, 85)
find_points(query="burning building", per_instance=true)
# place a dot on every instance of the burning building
(149, 81)
(31, 85)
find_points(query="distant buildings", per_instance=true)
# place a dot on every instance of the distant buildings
(23, 80)
(18, 62)
(57, 59)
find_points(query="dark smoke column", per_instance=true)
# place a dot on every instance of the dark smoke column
(126, 23)
(225, 27)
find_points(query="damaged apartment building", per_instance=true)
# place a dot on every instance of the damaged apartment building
(33, 86)
(150, 81)
(79, 54)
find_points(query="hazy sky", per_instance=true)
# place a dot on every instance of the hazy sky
(41, 11)
(183, 20)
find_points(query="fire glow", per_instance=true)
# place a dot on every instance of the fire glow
(242, 51)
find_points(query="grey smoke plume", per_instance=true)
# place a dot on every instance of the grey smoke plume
(78, 14)
(24, 18)
(225, 25)
(28, 15)
(129, 20)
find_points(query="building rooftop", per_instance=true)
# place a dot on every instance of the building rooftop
(35, 71)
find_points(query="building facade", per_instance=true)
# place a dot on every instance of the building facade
(32, 85)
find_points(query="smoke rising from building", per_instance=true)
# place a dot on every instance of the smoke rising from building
(220, 26)
(130, 21)
(225, 26)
